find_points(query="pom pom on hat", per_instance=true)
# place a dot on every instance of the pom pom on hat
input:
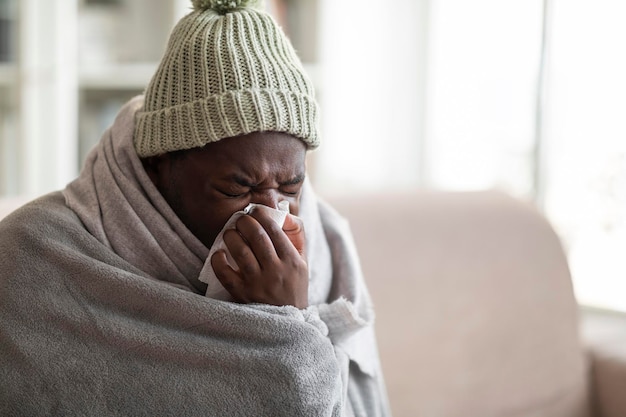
(228, 70)
(222, 6)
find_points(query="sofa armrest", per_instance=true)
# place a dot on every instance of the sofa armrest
(605, 338)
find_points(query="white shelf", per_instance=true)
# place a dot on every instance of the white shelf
(116, 76)
(137, 76)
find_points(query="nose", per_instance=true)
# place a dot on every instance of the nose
(268, 198)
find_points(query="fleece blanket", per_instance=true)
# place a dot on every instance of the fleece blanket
(103, 312)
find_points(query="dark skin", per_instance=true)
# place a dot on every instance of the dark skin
(205, 186)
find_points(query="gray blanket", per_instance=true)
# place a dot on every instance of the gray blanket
(102, 312)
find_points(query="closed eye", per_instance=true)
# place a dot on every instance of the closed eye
(235, 192)
(235, 187)
(234, 195)
(293, 186)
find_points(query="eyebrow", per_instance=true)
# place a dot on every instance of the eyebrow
(295, 180)
(244, 182)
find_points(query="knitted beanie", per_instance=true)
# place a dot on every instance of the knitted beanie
(228, 70)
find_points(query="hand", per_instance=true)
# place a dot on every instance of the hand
(272, 261)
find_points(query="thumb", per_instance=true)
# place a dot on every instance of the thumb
(294, 229)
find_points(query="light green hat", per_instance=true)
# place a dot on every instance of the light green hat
(228, 70)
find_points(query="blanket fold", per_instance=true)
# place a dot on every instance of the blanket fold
(103, 312)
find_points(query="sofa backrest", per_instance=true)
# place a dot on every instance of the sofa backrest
(476, 315)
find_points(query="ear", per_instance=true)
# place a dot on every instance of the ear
(156, 168)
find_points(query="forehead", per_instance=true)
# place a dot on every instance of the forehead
(259, 152)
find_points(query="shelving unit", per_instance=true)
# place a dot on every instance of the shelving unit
(8, 75)
(8, 79)
(76, 62)
(121, 44)
(131, 76)
(8, 167)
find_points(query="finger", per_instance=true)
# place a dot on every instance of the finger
(258, 240)
(280, 241)
(227, 276)
(242, 254)
(294, 229)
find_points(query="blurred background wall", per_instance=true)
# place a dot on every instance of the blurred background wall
(526, 96)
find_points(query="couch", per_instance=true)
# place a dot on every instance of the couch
(476, 315)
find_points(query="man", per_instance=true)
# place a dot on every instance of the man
(105, 288)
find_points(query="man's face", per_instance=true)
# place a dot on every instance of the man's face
(205, 186)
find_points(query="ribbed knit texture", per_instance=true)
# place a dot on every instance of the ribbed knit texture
(224, 75)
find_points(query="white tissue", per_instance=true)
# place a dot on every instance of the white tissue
(207, 275)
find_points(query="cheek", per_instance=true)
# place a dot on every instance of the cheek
(202, 212)
(203, 217)
(206, 226)
(214, 217)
